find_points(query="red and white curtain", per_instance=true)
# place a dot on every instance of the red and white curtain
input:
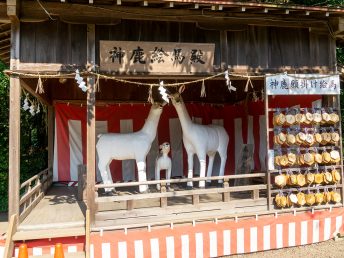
(245, 124)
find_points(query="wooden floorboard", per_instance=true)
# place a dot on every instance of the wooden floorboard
(57, 208)
(59, 211)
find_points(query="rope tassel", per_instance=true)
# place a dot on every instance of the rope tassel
(150, 97)
(96, 87)
(203, 92)
(247, 83)
(39, 87)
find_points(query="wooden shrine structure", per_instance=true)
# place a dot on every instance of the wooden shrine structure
(50, 40)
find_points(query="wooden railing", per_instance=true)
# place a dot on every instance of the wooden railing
(226, 190)
(32, 191)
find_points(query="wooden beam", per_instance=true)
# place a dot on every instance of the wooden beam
(5, 47)
(82, 14)
(42, 99)
(11, 230)
(217, 7)
(13, 9)
(91, 124)
(192, 6)
(144, 3)
(15, 44)
(169, 5)
(238, 9)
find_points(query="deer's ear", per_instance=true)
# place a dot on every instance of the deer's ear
(181, 89)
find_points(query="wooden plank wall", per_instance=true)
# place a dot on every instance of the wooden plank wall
(252, 47)
(53, 42)
(161, 31)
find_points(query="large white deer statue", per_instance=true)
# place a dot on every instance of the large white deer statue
(201, 140)
(124, 146)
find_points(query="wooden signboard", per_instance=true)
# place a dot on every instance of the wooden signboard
(156, 57)
(302, 84)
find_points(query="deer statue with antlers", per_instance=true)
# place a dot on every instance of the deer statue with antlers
(201, 140)
(124, 146)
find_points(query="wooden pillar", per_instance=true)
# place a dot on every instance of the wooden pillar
(14, 148)
(14, 119)
(224, 50)
(91, 125)
(268, 174)
(51, 119)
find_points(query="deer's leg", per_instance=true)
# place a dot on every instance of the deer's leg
(203, 163)
(223, 157)
(157, 175)
(190, 169)
(105, 173)
(168, 173)
(210, 167)
(141, 168)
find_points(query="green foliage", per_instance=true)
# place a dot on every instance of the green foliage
(340, 55)
(318, 2)
(33, 141)
(330, 3)
(4, 82)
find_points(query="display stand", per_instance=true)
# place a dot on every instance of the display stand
(303, 144)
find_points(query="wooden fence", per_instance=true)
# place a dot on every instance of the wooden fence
(33, 190)
(226, 190)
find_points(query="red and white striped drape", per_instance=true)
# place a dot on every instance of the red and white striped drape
(245, 124)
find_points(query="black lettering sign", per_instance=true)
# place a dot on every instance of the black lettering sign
(158, 55)
(138, 56)
(196, 56)
(116, 54)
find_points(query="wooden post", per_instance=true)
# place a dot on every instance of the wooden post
(226, 195)
(268, 176)
(81, 183)
(163, 200)
(337, 105)
(91, 125)
(14, 125)
(51, 119)
(195, 199)
(255, 194)
(224, 50)
(88, 235)
(130, 205)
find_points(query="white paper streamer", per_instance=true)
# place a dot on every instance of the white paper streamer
(203, 92)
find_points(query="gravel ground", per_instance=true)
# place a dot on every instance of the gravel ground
(328, 249)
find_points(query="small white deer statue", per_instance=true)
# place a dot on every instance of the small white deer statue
(163, 162)
(124, 146)
(202, 140)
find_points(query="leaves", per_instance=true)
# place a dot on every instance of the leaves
(33, 141)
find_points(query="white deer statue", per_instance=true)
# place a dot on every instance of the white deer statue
(163, 161)
(124, 146)
(202, 140)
